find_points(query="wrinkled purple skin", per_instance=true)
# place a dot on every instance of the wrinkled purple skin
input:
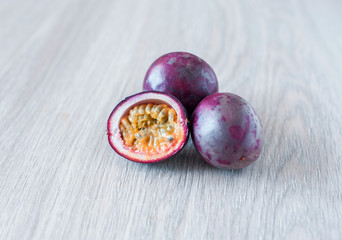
(226, 131)
(184, 75)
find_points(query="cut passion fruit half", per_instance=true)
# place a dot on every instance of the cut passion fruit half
(148, 127)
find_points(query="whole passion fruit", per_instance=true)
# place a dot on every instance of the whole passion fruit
(148, 127)
(184, 75)
(226, 131)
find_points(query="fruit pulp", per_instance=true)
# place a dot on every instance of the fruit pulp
(150, 128)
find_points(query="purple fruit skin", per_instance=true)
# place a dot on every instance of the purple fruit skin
(226, 131)
(184, 75)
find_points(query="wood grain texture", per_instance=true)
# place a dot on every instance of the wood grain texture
(65, 64)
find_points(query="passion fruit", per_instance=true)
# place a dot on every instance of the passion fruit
(148, 127)
(184, 75)
(226, 131)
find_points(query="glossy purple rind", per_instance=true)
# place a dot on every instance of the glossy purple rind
(114, 140)
(184, 75)
(226, 131)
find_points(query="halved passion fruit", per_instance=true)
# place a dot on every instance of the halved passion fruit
(148, 127)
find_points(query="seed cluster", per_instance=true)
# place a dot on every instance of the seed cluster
(148, 126)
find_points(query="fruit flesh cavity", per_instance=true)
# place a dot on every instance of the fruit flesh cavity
(146, 155)
(150, 128)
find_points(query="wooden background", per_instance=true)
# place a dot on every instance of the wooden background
(65, 64)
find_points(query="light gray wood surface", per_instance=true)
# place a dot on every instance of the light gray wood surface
(65, 64)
